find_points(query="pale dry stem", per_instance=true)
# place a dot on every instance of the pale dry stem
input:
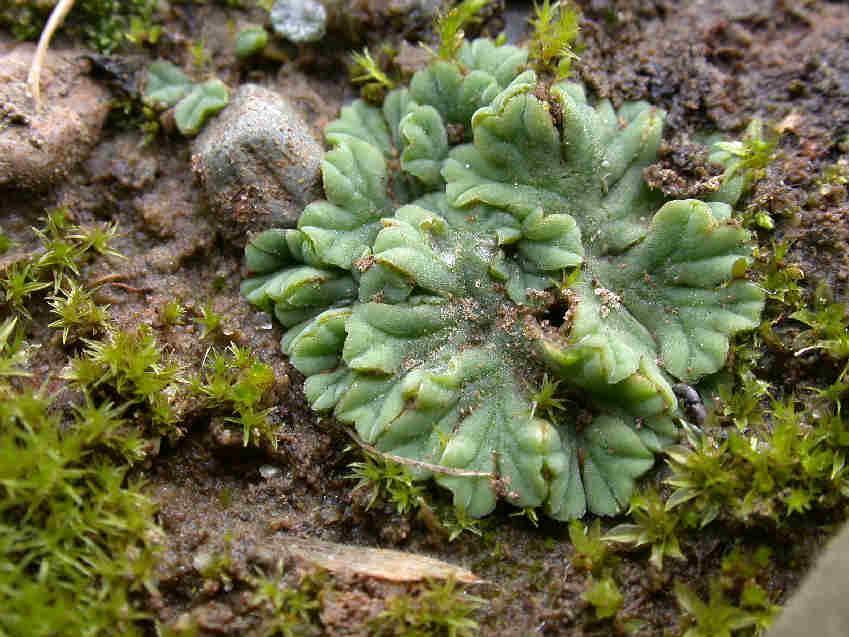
(57, 16)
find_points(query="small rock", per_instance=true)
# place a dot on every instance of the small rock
(201, 561)
(268, 471)
(299, 20)
(427, 8)
(214, 617)
(224, 436)
(258, 163)
(263, 557)
(282, 523)
(37, 147)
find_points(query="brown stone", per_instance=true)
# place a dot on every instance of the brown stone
(40, 145)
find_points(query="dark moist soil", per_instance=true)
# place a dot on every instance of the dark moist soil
(711, 65)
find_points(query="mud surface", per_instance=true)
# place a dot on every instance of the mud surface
(712, 65)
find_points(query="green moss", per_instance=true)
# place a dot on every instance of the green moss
(211, 322)
(105, 25)
(546, 400)
(780, 278)
(130, 113)
(832, 183)
(555, 30)
(291, 611)
(387, 481)
(371, 75)
(653, 525)
(128, 366)
(235, 382)
(604, 596)
(529, 513)
(797, 465)
(456, 521)
(828, 326)
(19, 282)
(740, 399)
(715, 618)
(12, 353)
(76, 530)
(440, 609)
(738, 601)
(6, 243)
(172, 313)
(64, 249)
(748, 157)
(450, 24)
(590, 552)
(77, 311)
(217, 566)
(741, 567)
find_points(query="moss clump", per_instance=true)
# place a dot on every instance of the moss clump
(720, 617)
(795, 466)
(653, 525)
(450, 24)
(604, 596)
(440, 609)
(235, 382)
(128, 366)
(64, 248)
(555, 30)
(388, 481)
(77, 312)
(105, 25)
(290, 610)
(76, 531)
(371, 75)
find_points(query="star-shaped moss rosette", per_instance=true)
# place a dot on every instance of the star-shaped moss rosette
(480, 232)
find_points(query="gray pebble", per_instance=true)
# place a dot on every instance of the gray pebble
(258, 162)
(299, 20)
(268, 471)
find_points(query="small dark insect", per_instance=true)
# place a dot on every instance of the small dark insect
(691, 403)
